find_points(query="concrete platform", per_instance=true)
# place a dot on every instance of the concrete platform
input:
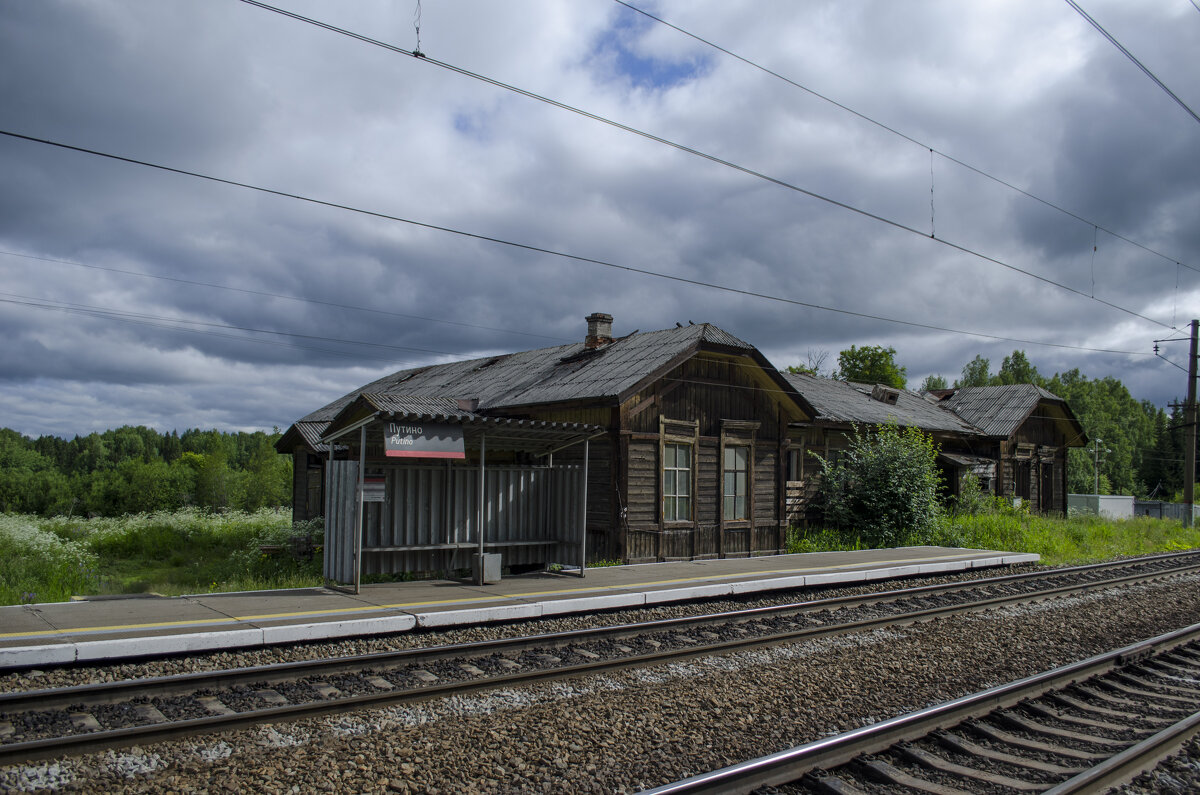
(110, 629)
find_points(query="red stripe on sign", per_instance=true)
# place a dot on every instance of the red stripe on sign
(417, 454)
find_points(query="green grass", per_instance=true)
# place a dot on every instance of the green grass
(188, 551)
(1059, 540)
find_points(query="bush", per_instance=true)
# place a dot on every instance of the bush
(40, 566)
(884, 489)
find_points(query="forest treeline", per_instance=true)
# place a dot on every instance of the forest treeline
(1140, 446)
(137, 469)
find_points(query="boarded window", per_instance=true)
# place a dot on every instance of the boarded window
(736, 471)
(677, 482)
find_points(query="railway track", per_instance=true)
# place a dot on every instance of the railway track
(48, 723)
(1083, 727)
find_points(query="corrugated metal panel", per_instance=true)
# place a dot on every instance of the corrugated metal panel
(341, 502)
(996, 410)
(430, 521)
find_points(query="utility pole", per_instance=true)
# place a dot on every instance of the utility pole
(1096, 466)
(1189, 458)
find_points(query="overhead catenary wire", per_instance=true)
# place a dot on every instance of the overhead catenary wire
(577, 257)
(283, 296)
(1134, 59)
(424, 58)
(887, 128)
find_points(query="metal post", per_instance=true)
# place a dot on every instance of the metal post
(1096, 468)
(358, 510)
(482, 499)
(583, 512)
(1189, 466)
(327, 565)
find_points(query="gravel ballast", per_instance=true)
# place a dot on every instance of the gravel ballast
(625, 731)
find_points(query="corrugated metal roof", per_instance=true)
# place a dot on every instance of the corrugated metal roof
(546, 375)
(510, 432)
(997, 410)
(844, 401)
(418, 407)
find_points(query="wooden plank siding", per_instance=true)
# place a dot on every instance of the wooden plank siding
(726, 401)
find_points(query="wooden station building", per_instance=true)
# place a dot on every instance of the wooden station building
(684, 443)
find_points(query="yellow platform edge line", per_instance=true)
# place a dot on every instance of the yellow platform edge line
(470, 600)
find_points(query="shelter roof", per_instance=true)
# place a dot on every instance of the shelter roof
(848, 402)
(508, 433)
(1001, 410)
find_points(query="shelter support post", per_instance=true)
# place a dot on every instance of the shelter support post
(583, 511)
(482, 501)
(359, 517)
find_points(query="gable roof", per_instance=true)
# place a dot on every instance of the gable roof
(1000, 410)
(607, 374)
(845, 401)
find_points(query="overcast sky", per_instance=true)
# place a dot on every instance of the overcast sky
(132, 295)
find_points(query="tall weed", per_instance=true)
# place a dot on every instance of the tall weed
(40, 566)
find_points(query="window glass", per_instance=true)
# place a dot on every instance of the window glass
(736, 505)
(677, 482)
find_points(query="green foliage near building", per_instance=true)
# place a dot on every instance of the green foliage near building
(871, 364)
(883, 488)
(138, 470)
(1141, 446)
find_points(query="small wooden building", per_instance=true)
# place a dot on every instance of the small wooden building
(1027, 432)
(684, 443)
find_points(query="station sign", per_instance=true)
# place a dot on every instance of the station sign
(423, 440)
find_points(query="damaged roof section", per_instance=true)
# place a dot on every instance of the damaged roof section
(848, 402)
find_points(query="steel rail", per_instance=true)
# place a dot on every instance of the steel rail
(11, 753)
(790, 765)
(177, 684)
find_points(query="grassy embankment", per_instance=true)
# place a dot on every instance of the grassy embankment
(1059, 540)
(188, 551)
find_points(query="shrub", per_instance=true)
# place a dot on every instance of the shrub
(40, 566)
(884, 488)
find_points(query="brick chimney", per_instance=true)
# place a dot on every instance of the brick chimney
(599, 330)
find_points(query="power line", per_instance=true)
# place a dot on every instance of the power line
(576, 257)
(29, 301)
(169, 324)
(905, 136)
(1131, 57)
(283, 296)
(697, 153)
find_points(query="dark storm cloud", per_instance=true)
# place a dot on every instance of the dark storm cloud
(1026, 91)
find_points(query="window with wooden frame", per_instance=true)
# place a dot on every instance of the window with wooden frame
(677, 482)
(737, 469)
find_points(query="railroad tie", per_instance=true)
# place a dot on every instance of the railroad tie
(271, 697)
(964, 746)
(326, 690)
(214, 705)
(935, 762)
(828, 784)
(882, 771)
(85, 722)
(149, 713)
